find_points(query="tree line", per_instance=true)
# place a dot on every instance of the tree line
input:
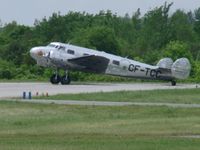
(147, 38)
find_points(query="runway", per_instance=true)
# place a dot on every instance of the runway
(9, 90)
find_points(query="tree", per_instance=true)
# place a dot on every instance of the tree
(197, 21)
(176, 50)
(136, 19)
(15, 52)
(180, 27)
(154, 32)
(196, 69)
(104, 39)
(7, 70)
(100, 38)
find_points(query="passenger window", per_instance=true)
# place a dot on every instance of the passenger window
(115, 62)
(85, 54)
(69, 51)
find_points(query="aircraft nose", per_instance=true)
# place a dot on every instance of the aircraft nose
(36, 52)
(33, 52)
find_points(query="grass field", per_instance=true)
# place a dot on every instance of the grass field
(60, 127)
(171, 96)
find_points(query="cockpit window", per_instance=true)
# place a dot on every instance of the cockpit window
(51, 45)
(54, 45)
(61, 48)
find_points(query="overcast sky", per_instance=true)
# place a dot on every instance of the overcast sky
(26, 11)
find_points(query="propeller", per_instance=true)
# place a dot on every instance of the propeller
(47, 56)
(40, 53)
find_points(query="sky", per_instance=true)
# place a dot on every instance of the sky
(26, 11)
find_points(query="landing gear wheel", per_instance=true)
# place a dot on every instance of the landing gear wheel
(55, 79)
(65, 80)
(173, 83)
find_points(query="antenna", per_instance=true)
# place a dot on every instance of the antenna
(69, 42)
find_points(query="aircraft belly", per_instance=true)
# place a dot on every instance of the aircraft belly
(137, 74)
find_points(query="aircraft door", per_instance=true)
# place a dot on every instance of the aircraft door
(124, 64)
(119, 67)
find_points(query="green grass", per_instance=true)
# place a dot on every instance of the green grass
(170, 96)
(59, 127)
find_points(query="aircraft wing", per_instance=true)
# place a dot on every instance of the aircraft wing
(91, 63)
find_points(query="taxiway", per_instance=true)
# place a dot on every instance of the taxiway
(9, 90)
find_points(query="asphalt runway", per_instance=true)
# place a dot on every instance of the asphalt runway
(9, 90)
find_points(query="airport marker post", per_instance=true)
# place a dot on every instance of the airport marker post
(29, 95)
(24, 95)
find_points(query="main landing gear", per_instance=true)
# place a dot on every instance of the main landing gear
(56, 78)
(173, 83)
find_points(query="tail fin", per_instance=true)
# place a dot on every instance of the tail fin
(181, 68)
(165, 63)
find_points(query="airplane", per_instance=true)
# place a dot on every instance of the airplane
(69, 57)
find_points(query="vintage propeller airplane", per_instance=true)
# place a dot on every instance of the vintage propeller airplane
(69, 57)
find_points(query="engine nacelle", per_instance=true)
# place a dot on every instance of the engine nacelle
(181, 68)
